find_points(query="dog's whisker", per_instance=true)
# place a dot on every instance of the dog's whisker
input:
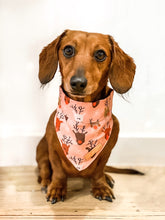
(42, 86)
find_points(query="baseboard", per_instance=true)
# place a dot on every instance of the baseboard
(16, 151)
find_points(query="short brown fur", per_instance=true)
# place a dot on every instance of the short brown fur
(119, 68)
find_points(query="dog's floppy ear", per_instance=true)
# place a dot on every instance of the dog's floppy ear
(48, 60)
(122, 69)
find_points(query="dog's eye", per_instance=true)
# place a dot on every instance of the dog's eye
(100, 55)
(68, 51)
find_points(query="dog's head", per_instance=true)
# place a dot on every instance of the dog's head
(86, 62)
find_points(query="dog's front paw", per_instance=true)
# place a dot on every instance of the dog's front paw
(44, 184)
(56, 193)
(103, 192)
(109, 180)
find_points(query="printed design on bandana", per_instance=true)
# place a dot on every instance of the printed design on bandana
(60, 119)
(106, 110)
(107, 131)
(79, 133)
(94, 124)
(65, 143)
(67, 100)
(95, 104)
(83, 128)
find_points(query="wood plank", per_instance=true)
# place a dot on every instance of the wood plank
(82, 217)
(137, 197)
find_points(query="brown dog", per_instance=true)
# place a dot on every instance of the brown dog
(86, 61)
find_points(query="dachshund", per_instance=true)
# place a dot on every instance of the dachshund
(86, 62)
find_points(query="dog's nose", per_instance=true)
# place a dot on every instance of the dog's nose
(78, 83)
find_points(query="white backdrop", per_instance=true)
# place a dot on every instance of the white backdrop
(26, 26)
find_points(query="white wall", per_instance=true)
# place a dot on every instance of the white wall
(26, 26)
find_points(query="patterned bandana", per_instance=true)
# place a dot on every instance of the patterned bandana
(83, 128)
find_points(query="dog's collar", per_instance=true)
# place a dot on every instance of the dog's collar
(83, 128)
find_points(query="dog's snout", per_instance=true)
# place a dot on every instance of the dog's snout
(78, 83)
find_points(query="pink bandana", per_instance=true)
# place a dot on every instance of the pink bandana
(83, 128)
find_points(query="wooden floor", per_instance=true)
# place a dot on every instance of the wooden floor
(137, 197)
